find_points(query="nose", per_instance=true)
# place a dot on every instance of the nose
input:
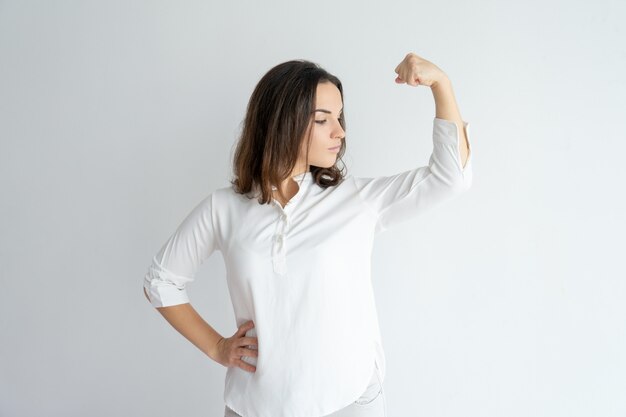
(339, 132)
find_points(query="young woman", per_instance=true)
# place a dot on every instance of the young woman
(296, 235)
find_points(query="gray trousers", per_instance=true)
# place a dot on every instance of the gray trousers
(370, 404)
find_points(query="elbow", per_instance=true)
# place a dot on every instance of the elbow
(147, 296)
(164, 295)
(462, 184)
(457, 184)
(454, 180)
(465, 182)
(461, 180)
(466, 177)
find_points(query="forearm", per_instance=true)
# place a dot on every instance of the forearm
(446, 108)
(186, 320)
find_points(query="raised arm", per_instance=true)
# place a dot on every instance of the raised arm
(414, 70)
(446, 108)
(403, 195)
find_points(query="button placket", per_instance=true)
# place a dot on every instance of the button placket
(279, 241)
(279, 247)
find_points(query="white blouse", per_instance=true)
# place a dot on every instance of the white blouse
(302, 274)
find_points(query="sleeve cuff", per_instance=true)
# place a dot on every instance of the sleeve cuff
(165, 288)
(165, 296)
(447, 132)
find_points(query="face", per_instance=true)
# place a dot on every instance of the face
(326, 132)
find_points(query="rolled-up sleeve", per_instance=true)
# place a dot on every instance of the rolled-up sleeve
(176, 263)
(400, 197)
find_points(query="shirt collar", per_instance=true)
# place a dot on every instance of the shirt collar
(306, 176)
(302, 178)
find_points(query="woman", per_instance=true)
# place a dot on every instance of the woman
(296, 236)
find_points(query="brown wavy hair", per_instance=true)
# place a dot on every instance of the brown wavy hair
(278, 119)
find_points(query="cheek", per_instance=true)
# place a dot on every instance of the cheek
(318, 144)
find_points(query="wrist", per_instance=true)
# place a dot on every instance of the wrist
(443, 82)
(213, 350)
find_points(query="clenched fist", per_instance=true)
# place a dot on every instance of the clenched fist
(229, 350)
(415, 70)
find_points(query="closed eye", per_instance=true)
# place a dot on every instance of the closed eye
(320, 122)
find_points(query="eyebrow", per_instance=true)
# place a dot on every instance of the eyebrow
(327, 111)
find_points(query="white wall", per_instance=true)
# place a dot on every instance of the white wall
(117, 117)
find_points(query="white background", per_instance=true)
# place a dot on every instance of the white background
(117, 117)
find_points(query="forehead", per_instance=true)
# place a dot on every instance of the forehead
(327, 94)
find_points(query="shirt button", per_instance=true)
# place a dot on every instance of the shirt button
(283, 216)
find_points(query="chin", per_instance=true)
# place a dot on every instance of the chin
(324, 162)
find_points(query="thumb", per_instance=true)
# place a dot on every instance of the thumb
(245, 327)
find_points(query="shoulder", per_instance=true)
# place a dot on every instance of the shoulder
(227, 196)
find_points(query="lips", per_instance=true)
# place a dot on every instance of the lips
(336, 148)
